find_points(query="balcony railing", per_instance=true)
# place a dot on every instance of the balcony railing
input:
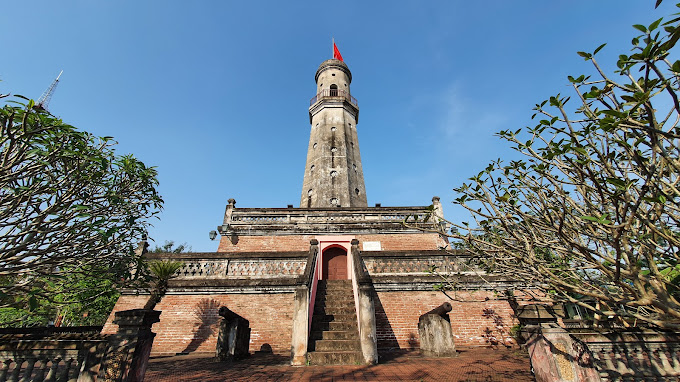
(334, 93)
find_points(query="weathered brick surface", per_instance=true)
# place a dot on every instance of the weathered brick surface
(474, 321)
(189, 323)
(265, 243)
(405, 242)
(388, 242)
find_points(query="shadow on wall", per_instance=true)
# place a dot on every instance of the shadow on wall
(206, 312)
(265, 349)
(499, 333)
(386, 337)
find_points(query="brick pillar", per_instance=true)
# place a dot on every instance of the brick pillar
(130, 347)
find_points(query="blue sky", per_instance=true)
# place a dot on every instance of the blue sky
(216, 93)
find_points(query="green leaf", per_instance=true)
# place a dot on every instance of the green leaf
(586, 56)
(598, 48)
(676, 67)
(620, 184)
(641, 28)
(655, 24)
(32, 304)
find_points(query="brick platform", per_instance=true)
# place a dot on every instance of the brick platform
(472, 364)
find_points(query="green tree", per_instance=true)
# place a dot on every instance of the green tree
(591, 212)
(70, 209)
(162, 271)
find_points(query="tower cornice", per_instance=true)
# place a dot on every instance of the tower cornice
(331, 103)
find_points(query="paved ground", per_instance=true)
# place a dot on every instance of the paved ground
(472, 364)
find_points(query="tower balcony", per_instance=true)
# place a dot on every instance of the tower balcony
(334, 94)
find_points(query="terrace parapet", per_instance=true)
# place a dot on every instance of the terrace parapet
(355, 220)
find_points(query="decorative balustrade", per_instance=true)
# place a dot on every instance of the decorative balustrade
(59, 358)
(70, 354)
(333, 93)
(242, 220)
(217, 266)
(421, 262)
(628, 354)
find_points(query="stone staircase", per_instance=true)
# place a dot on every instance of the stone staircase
(335, 337)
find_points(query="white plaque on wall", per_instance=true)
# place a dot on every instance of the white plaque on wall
(372, 246)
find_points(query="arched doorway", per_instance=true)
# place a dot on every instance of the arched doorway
(334, 265)
(334, 90)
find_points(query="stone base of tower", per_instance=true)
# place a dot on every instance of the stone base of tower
(190, 323)
(264, 259)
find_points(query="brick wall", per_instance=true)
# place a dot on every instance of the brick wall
(388, 242)
(190, 323)
(404, 241)
(474, 322)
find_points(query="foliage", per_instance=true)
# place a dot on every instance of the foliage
(591, 213)
(515, 331)
(162, 271)
(169, 247)
(68, 206)
(76, 301)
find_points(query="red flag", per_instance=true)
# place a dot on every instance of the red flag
(336, 53)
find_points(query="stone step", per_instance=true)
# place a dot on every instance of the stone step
(335, 358)
(334, 326)
(334, 335)
(335, 282)
(338, 345)
(331, 304)
(334, 302)
(334, 309)
(335, 317)
(335, 287)
(335, 295)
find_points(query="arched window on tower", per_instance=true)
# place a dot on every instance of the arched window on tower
(334, 90)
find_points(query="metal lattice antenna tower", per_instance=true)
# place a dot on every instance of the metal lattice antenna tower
(45, 98)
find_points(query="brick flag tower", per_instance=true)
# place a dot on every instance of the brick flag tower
(333, 175)
(333, 281)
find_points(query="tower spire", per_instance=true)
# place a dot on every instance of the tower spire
(45, 98)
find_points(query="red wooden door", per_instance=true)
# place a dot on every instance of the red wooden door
(334, 264)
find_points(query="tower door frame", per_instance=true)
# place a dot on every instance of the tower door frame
(326, 242)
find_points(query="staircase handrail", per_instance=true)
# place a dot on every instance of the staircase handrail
(305, 295)
(307, 277)
(363, 304)
(360, 271)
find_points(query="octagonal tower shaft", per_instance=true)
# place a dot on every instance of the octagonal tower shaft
(333, 174)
